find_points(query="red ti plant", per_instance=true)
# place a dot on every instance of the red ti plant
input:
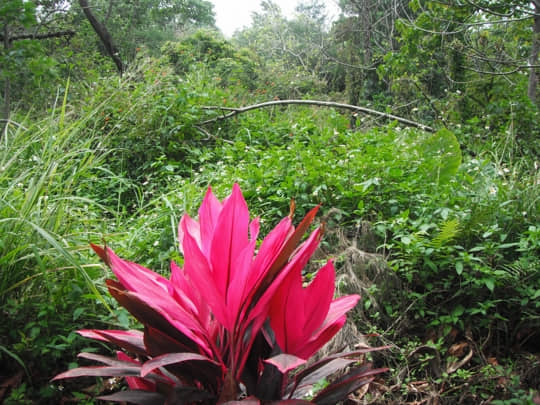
(235, 323)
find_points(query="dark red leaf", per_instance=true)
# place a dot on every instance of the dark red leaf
(252, 369)
(287, 250)
(175, 358)
(230, 388)
(347, 355)
(127, 370)
(312, 374)
(361, 372)
(338, 391)
(102, 253)
(269, 384)
(246, 401)
(110, 361)
(188, 395)
(138, 397)
(158, 343)
(100, 371)
(304, 381)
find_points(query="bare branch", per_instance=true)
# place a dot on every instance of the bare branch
(477, 55)
(485, 72)
(68, 33)
(493, 22)
(236, 111)
(372, 67)
(487, 10)
(509, 14)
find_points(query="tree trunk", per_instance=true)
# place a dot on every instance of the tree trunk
(103, 35)
(7, 85)
(360, 53)
(535, 49)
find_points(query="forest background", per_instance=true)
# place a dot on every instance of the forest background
(114, 122)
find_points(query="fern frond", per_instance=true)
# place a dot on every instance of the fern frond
(449, 230)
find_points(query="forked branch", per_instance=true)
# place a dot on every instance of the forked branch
(235, 111)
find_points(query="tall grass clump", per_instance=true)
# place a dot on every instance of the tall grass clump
(48, 214)
(70, 178)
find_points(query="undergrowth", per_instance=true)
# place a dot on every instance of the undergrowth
(442, 244)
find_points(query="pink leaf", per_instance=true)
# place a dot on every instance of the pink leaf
(197, 268)
(285, 362)
(341, 306)
(131, 340)
(189, 226)
(230, 237)
(208, 217)
(318, 296)
(135, 277)
(314, 343)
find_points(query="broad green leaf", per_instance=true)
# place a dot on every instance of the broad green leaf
(441, 155)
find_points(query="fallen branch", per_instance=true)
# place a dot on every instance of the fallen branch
(236, 111)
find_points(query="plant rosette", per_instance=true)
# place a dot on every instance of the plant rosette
(236, 323)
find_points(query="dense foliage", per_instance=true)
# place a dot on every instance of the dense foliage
(438, 232)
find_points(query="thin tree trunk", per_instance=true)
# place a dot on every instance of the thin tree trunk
(535, 49)
(103, 35)
(7, 85)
